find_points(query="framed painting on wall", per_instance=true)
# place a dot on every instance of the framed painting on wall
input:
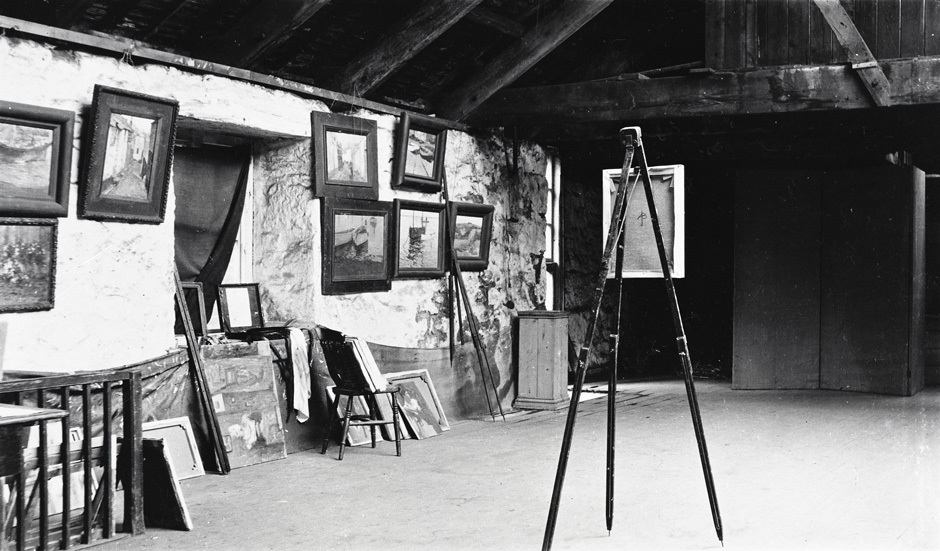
(35, 160)
(419, 239)
(419, 153)
(27, 264)
(357, 248)
(472, 228)
(344, 156)
(127, 171)
(640, 253)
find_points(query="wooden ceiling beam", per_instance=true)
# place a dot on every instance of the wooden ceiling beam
(493, 20)
(860, 56)
(399, 44)
(783, 89)
(518, 58)
(265, 26)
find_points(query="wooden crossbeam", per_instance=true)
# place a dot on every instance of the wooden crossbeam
(860, 56)
(767, 90)
(400, 43)
(265, 26)
(520, 56)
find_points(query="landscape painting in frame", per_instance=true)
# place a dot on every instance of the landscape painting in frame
(419, 242)
(344, 156)
(35, 160)
(356, 246)
(472, 225)
(641, 254)
(127, 172)
(419, 158)
(27, 264)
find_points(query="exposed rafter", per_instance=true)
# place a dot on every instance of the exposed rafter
(118, 12)
(873, 78)
(520, 56)
(399, 44)
(769, 90)
(262, 28)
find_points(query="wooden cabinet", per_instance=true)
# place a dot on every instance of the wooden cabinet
(542, 360)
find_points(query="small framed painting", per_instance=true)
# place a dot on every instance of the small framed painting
(240, 307)
(357, 248)
(419, 153)
(27, 264)
(640, 252)
(472, 228)
(35, 160)
(419, 239)
(127, 171)
(344, 156)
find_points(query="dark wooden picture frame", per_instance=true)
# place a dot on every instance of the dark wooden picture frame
(240, 307)
(420, 239)
(27, 264)
(419, 153)
(472, 228)
(357, 246)
(196, 303)
(35, 160)
(345, 156)
(127, 170)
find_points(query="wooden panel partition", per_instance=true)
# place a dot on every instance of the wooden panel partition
(46, 518)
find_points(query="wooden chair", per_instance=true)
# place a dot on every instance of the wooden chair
(347, 373)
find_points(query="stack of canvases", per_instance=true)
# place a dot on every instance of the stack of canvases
(421, 413)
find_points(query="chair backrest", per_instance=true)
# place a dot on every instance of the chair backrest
(341, 360)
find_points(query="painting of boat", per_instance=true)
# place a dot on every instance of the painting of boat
(26, 158)
(358, 246)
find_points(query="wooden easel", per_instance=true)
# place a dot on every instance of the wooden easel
(631, 137)
(457, 283)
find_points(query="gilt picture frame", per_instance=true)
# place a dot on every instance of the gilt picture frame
(357, 246)
(419, 153)
(126, 172)
(472, 228)
(35, 160)
(27, 264)
(420, 239)
(345, 153)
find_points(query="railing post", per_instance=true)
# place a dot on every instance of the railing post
(133, 450)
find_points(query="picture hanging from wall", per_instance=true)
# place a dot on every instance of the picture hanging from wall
(35, 160)
(27, 264)
(640, 253)
(472, 225)
(357, 246)
(419, 153)
(127, 170)
(419, 239)
(344, 156)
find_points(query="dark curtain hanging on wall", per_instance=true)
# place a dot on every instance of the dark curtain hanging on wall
(210, 185)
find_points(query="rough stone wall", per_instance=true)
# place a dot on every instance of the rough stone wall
(114, 280)
(413, 313)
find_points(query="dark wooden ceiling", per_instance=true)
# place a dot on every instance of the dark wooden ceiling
(570, 71)
(422, 55)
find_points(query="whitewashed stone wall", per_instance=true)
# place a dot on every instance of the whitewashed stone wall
(114, 290)
(413, 313)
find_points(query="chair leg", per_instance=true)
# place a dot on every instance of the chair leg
(342, 440)
(373, 407)
(329, 424)
(396, 428)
